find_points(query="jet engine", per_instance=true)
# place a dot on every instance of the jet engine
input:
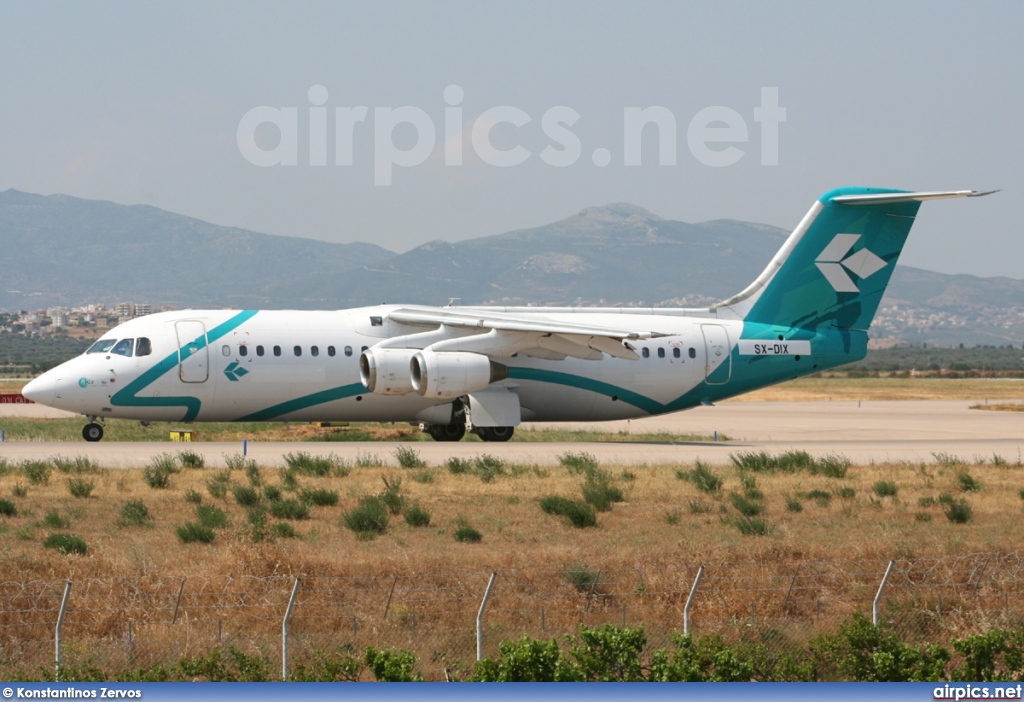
(447, 375)
(386, 371)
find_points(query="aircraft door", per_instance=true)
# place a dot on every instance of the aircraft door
(193, 352)
(717, 353)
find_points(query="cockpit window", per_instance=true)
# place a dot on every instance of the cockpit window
(143, 347)
(123, 347)
(102, 346)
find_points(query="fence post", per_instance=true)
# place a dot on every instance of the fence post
(284, 630)
(390, 593)
(60, 624)
(689, 600)
(177, 604)
(791, 584)
(480, 619)
(878, 596)
(590, 595)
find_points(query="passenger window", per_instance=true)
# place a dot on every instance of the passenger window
(330, 350)
(123, 347)
(314, 350)
(277, 350)
(376, 321)
(226, 350)
(661, 352)
(298, 350)
(693, 352)
(348, 350)
(646, 352)
(243, 350)
(102, 346)
(143, 347)
(675, 352)
(259, 350)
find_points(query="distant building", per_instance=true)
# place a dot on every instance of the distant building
(143, 308)
(125, 309)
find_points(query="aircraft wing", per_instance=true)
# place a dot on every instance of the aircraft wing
(501, 334)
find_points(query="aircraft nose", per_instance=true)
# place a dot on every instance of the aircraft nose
(42, 390)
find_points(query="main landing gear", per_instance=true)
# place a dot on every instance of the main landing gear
(455, 430)
(92, 431)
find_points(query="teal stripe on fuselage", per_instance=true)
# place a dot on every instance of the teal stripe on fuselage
(128, 396)
(305, 402)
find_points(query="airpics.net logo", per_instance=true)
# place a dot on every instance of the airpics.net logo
(716, 136)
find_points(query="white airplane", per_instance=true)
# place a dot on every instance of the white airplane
(486, 369)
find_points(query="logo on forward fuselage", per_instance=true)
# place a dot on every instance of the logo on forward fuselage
(836, 266)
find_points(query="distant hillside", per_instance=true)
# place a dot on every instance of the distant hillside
(60, 250)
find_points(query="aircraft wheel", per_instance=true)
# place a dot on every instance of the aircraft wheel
(496, 433)
(448, 432)
(92, 432)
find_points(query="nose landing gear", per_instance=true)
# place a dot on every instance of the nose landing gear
(92, 431)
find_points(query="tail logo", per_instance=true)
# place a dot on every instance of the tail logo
(834, 266)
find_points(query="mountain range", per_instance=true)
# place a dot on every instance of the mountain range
(66, 251)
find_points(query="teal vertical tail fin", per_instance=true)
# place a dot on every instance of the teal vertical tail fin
(834, 268)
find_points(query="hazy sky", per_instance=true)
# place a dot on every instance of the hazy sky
(142, 103)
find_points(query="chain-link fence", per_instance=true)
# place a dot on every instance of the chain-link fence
(119, 623)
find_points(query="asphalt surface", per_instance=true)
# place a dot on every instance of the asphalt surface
(862, 431)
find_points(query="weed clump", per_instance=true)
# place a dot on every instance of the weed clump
(458, 466)
(135, 514)
(831, 466)
(36, 472)
(193, 533)
(191, 459)
(369, 518)
(582, 578)
(579, 514)
(746, 507)
(193, 497)
(54, 520)
(75, 465)
(66, 544)
(212, 517)
(488, 467)
(751, 526)
(80, 487)
(409, 457)
(698, 507)
(466, 534)
(319, 497)
(958, 510)
(284, 530)
(237, 461)
(313, 466)
(599, 491)
(885, 488)
(289, 509)
(158, 473)
(967, 483)
(7, 509)
(581, 463)
(416, 516)
(245, 495)
(702, 478)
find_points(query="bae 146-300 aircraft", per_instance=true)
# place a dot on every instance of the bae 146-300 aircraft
(486, 369)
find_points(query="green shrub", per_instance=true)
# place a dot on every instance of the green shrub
(245, 495)
(751, 526)
(19, 490)
(165, 462)
(967, 483)
(846, 493)
(581, 463)
(958, 511)
(424, 476)
(702, 478)
(408, 457)
(284, 530)
(319, 497)
(237, 461)
(80, 487)
(135, 514)
(831, 466)
(794, 505)
(252, 474)
(488, 467)
(37, 472)
(821, 497)
(925, 501)
(75, 465)
(392, 497)
(579, 514)
(885, 488)
(748, 508)
(54, 520)
(306, 464)
(212, 517)
(66, 544)
(193, 497)
(1020, 494)
(465, 534)
(750, 489)
(191, 459)
(458, 466)
(582, 578)
(672, 517)
(392, 665)
(862, 652)
(272, 493)
(289, 509)
(416, 516)
(288, 480)
(368, 460)
(157, 477)
(256, 523)
(599, 491)
(370, 517)
(191, 532)
(922, 517)
(698, 506)
(948, 460)
(7, 509)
